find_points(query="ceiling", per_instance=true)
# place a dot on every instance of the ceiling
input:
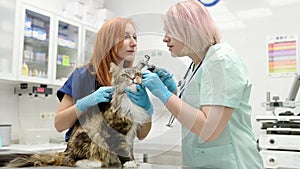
(232, 14)
(228, 14)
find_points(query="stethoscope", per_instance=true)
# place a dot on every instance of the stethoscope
(181, 86)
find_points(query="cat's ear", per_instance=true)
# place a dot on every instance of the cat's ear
(113, 67)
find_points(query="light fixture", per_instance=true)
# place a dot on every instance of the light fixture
(254, 13)
(282, 2)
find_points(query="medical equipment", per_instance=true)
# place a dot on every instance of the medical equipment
(153, 69)
(290, 100)
(145, 62)
(280, 141)
(150, 67)
(181, 86)
(33, 90)
(280, 138)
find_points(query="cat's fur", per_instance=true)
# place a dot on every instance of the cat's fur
(105, 138)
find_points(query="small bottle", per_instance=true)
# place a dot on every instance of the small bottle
(24, 69)
(28, 52)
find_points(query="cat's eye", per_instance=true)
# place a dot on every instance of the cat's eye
(125, 75)
(138, 74)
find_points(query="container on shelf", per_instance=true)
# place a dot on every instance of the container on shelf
(5, 133)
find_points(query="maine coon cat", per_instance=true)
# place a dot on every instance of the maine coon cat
(98, 139)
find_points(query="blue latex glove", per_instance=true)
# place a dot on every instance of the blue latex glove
(167, 79)
(140, 98)
(156, 86)
(103, 94)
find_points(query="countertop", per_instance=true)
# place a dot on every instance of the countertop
(140, 166)
(17, 148)
(13, 148)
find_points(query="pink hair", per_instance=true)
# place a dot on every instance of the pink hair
(190, 22)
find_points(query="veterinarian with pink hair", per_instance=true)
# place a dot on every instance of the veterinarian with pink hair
(213, 101)
(90, 85)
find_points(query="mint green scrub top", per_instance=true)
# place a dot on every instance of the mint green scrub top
(223, 80)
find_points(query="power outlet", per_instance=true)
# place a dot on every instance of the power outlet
(51, 115)
(43, 116)
(47, 115)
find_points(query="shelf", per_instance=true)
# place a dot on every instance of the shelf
(65, 67)
(66, 50)
(35, 62)
(36, 42)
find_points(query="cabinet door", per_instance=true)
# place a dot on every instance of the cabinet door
(36, 48)
(66, 49)
(7, 29)
(88, 42)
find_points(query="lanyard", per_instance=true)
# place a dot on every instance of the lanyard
(181, 85)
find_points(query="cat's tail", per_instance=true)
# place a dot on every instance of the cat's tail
(6, 158)
(27, 160)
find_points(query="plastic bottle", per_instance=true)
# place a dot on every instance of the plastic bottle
(28, 52)
(24, 69)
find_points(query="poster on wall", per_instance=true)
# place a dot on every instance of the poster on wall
(282, 55)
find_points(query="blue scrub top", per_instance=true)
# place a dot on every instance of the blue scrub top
(66, 89)
(223, 80)
(79, 84)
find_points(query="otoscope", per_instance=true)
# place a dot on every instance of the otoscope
(153, 69)
(145, 63)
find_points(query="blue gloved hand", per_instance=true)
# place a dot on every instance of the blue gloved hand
(156, 86)
(103, 94)
(140, 98)
(167, 79)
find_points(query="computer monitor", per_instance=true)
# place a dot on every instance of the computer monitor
(294, 88)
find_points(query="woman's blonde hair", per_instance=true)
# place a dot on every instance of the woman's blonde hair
(190, 22)
(110, 34)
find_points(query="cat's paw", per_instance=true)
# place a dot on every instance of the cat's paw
(88, 163)
(130, 164)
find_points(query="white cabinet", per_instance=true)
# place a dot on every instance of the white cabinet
(67, 49)
(87, 48)
(50, 47)
(38, 46)
(279, 141)
(35, 46)
(7, 43)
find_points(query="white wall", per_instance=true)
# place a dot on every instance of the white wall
(55, 6)
(23, 112)
(9, 107)
(131, 7)
(251, 42)
(247, 35)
